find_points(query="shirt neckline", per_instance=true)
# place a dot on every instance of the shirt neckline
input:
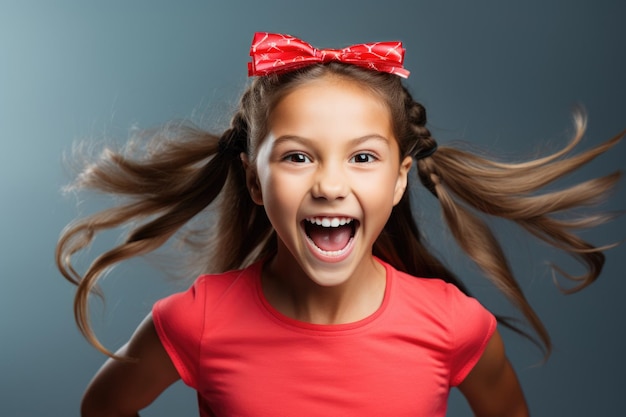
(289, 322)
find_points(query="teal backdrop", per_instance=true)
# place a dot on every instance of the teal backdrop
(501, 75)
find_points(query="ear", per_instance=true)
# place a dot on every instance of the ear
(401, 182)
(252, 179)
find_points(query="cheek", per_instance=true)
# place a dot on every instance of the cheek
(280, 195)
(378, 193)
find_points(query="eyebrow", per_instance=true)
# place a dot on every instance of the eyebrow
(306, 141)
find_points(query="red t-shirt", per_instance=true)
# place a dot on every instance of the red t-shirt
(246, 359)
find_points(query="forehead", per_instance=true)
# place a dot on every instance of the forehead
(331, 106)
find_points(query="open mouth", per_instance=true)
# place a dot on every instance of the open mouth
(330, 235)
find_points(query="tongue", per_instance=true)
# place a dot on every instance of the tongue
(330, 238)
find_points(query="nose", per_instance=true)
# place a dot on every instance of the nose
(330, 182)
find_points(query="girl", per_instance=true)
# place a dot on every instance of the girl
(323, 297)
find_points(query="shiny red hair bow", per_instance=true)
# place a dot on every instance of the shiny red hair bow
(274, 53)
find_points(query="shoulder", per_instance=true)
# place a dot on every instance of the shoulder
(434, 293)
(180, 319)
(209, 288)
(185, 311)
(451, 320)
(442, 305)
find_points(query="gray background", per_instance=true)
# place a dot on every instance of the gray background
(504, 75)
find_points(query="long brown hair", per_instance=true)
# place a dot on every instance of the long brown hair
(184, 169)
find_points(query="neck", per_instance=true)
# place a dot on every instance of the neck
(290, 291)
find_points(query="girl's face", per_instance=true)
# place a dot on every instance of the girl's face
(328, 175)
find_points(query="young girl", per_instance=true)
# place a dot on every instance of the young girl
(323, 297)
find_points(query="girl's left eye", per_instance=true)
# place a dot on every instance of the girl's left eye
(363, 158)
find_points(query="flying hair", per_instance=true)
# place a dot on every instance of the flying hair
(186, 171)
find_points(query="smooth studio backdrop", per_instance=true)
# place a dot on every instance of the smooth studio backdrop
(501, 75)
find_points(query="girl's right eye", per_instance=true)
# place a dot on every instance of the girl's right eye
(298, 158)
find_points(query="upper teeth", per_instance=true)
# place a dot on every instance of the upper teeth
(329, 222)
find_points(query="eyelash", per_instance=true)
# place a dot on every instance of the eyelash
(370, 157)
(303, 158)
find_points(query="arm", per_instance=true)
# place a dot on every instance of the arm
(122, 388)
(492, 388)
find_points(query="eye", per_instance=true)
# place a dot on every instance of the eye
(362, 158)
(298, 158)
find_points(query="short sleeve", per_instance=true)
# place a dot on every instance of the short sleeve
(179, 322)
(471, 328)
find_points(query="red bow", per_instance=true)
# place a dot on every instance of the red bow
(275, 53)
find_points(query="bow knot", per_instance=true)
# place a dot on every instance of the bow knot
(276, 53)
(328, 55)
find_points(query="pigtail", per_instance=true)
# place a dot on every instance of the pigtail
(163, 189)
(466, 184)
(400, 242)
(243, 227)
